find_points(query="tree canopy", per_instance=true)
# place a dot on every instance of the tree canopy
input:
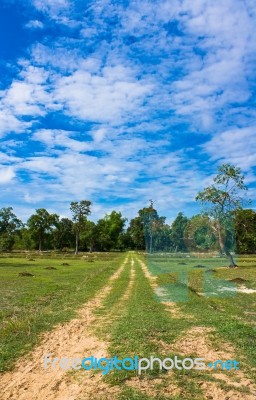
(220, 200)
(222, 224)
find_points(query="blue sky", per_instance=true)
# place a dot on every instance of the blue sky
(120, 102)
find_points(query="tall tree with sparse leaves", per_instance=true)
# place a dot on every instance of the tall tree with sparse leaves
(80, 211)
(220, 200)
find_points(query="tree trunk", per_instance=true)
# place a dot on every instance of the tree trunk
(77, 242)
(224, 249)
(151, 242)
(40, 242)
(91, 245)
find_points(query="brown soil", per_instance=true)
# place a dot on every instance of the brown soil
(26, 274)
(104, 321)
(171, 307)
(30, 381)
(238, 280)
(196, 341)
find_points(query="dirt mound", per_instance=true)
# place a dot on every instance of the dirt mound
(238, 280)
(25, 274)
(50, 268)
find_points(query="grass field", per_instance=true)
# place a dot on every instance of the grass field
(32, 304)
(127, 304)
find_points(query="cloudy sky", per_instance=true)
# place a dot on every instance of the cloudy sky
(124, 101)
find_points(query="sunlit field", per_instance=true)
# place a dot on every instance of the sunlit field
(138, 304)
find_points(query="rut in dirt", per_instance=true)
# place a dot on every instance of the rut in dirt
(30, 381)
(196, 341)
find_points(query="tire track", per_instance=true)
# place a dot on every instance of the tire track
(112, 314)
(30, 381)
(169, 306)
(195, 341)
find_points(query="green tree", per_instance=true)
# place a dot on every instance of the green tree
(149, 217)
(162, 235)
(24, 240)
(109, 230)
(63, 235)
(156, 232)
(220, 200)
(40, 223)
(245, 226)
(125, 241)
(198, 234)
(116, 223)
(9, 226)
(177, 232)
(89, 236)
(80, 211)
(136, 232)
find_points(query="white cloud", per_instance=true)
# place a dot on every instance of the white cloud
(211, 47)
(59, 57)
(35, 24)
(54, 137)
(106, 97)
(99, 135)
(28, 96)
(127, 83)
(6, 174)
(52, 7)
(10, 123)
(59, 11)
(234, 145)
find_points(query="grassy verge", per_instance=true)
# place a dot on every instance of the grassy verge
(33, 304)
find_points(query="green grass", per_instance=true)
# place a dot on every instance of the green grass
(31, 305)
(233, 316)
(136, 326)
(145, 321)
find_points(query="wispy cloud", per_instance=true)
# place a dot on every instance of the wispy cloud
(125, 101)
(238, 145)
(34, 24)
(6, 174)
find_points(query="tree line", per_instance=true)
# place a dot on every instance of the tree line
(223, 225)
